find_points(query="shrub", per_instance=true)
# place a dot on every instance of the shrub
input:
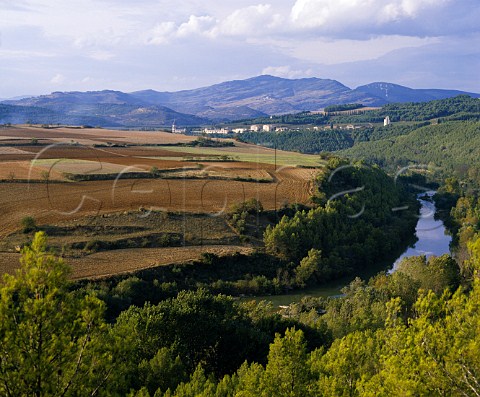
(29, 224)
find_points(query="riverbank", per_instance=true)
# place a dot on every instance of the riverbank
(430, 239)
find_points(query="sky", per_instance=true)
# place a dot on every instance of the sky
(167, 45)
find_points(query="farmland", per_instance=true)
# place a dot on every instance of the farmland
(118, 201)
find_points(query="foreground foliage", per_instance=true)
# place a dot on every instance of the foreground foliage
(389, 339)
(52, 342)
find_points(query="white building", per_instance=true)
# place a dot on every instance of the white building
(216, 130)
(239, 130)
(254, 128)
(268, 128)
(386, 121)
(176, 130)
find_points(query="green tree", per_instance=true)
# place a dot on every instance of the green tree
(51, 340)
(434, 273)
(287, 373)
(347, 361)
(308, 267)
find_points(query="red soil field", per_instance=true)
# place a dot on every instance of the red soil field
(54, 202)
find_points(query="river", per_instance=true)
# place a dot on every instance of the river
(431, 240)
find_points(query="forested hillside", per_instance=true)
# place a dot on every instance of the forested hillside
(301, 141)
(452, 147)
(456, 107)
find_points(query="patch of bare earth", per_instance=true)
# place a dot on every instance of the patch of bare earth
(107, 263)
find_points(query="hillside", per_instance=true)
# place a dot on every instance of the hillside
(442, 134)
(451, 146)
(100, 108)
(397, 93)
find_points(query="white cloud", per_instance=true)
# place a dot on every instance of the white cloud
(244, 22)
(162, 33)
(57, 79)
(250, 21)
(287, 72)
(339, 17)
(202, 25)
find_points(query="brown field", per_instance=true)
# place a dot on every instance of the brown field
(92, 135)
(49, 203)
(185, 187)
(107, 263)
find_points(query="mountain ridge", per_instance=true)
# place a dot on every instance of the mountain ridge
(258, 96)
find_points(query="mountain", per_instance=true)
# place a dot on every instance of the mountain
(100, 108)
(264, 95)
(396, 93)
(29, 114)
(233, 100)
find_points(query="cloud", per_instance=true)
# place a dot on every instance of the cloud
(57, 79)
(354, 18)
(286, 71)
(244, 22)
(208, 42)
(345, 50)
(162, 33)
(250, 21)
(327, 13)
(196, 25)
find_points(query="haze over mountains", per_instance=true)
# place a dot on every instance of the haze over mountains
(233, 100)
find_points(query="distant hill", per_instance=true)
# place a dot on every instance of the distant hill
(396, 93)
(99, 108)
(37, 115)
(256, 97)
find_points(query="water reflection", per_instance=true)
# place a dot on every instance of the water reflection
(432, 239)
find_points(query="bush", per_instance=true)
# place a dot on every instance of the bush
(29, 224)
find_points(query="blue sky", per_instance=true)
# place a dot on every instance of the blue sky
(66, 45)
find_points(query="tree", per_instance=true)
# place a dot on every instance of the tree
(347, 361)
(308, 267)
(434, 273)
(51, 340)
(287, 374)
